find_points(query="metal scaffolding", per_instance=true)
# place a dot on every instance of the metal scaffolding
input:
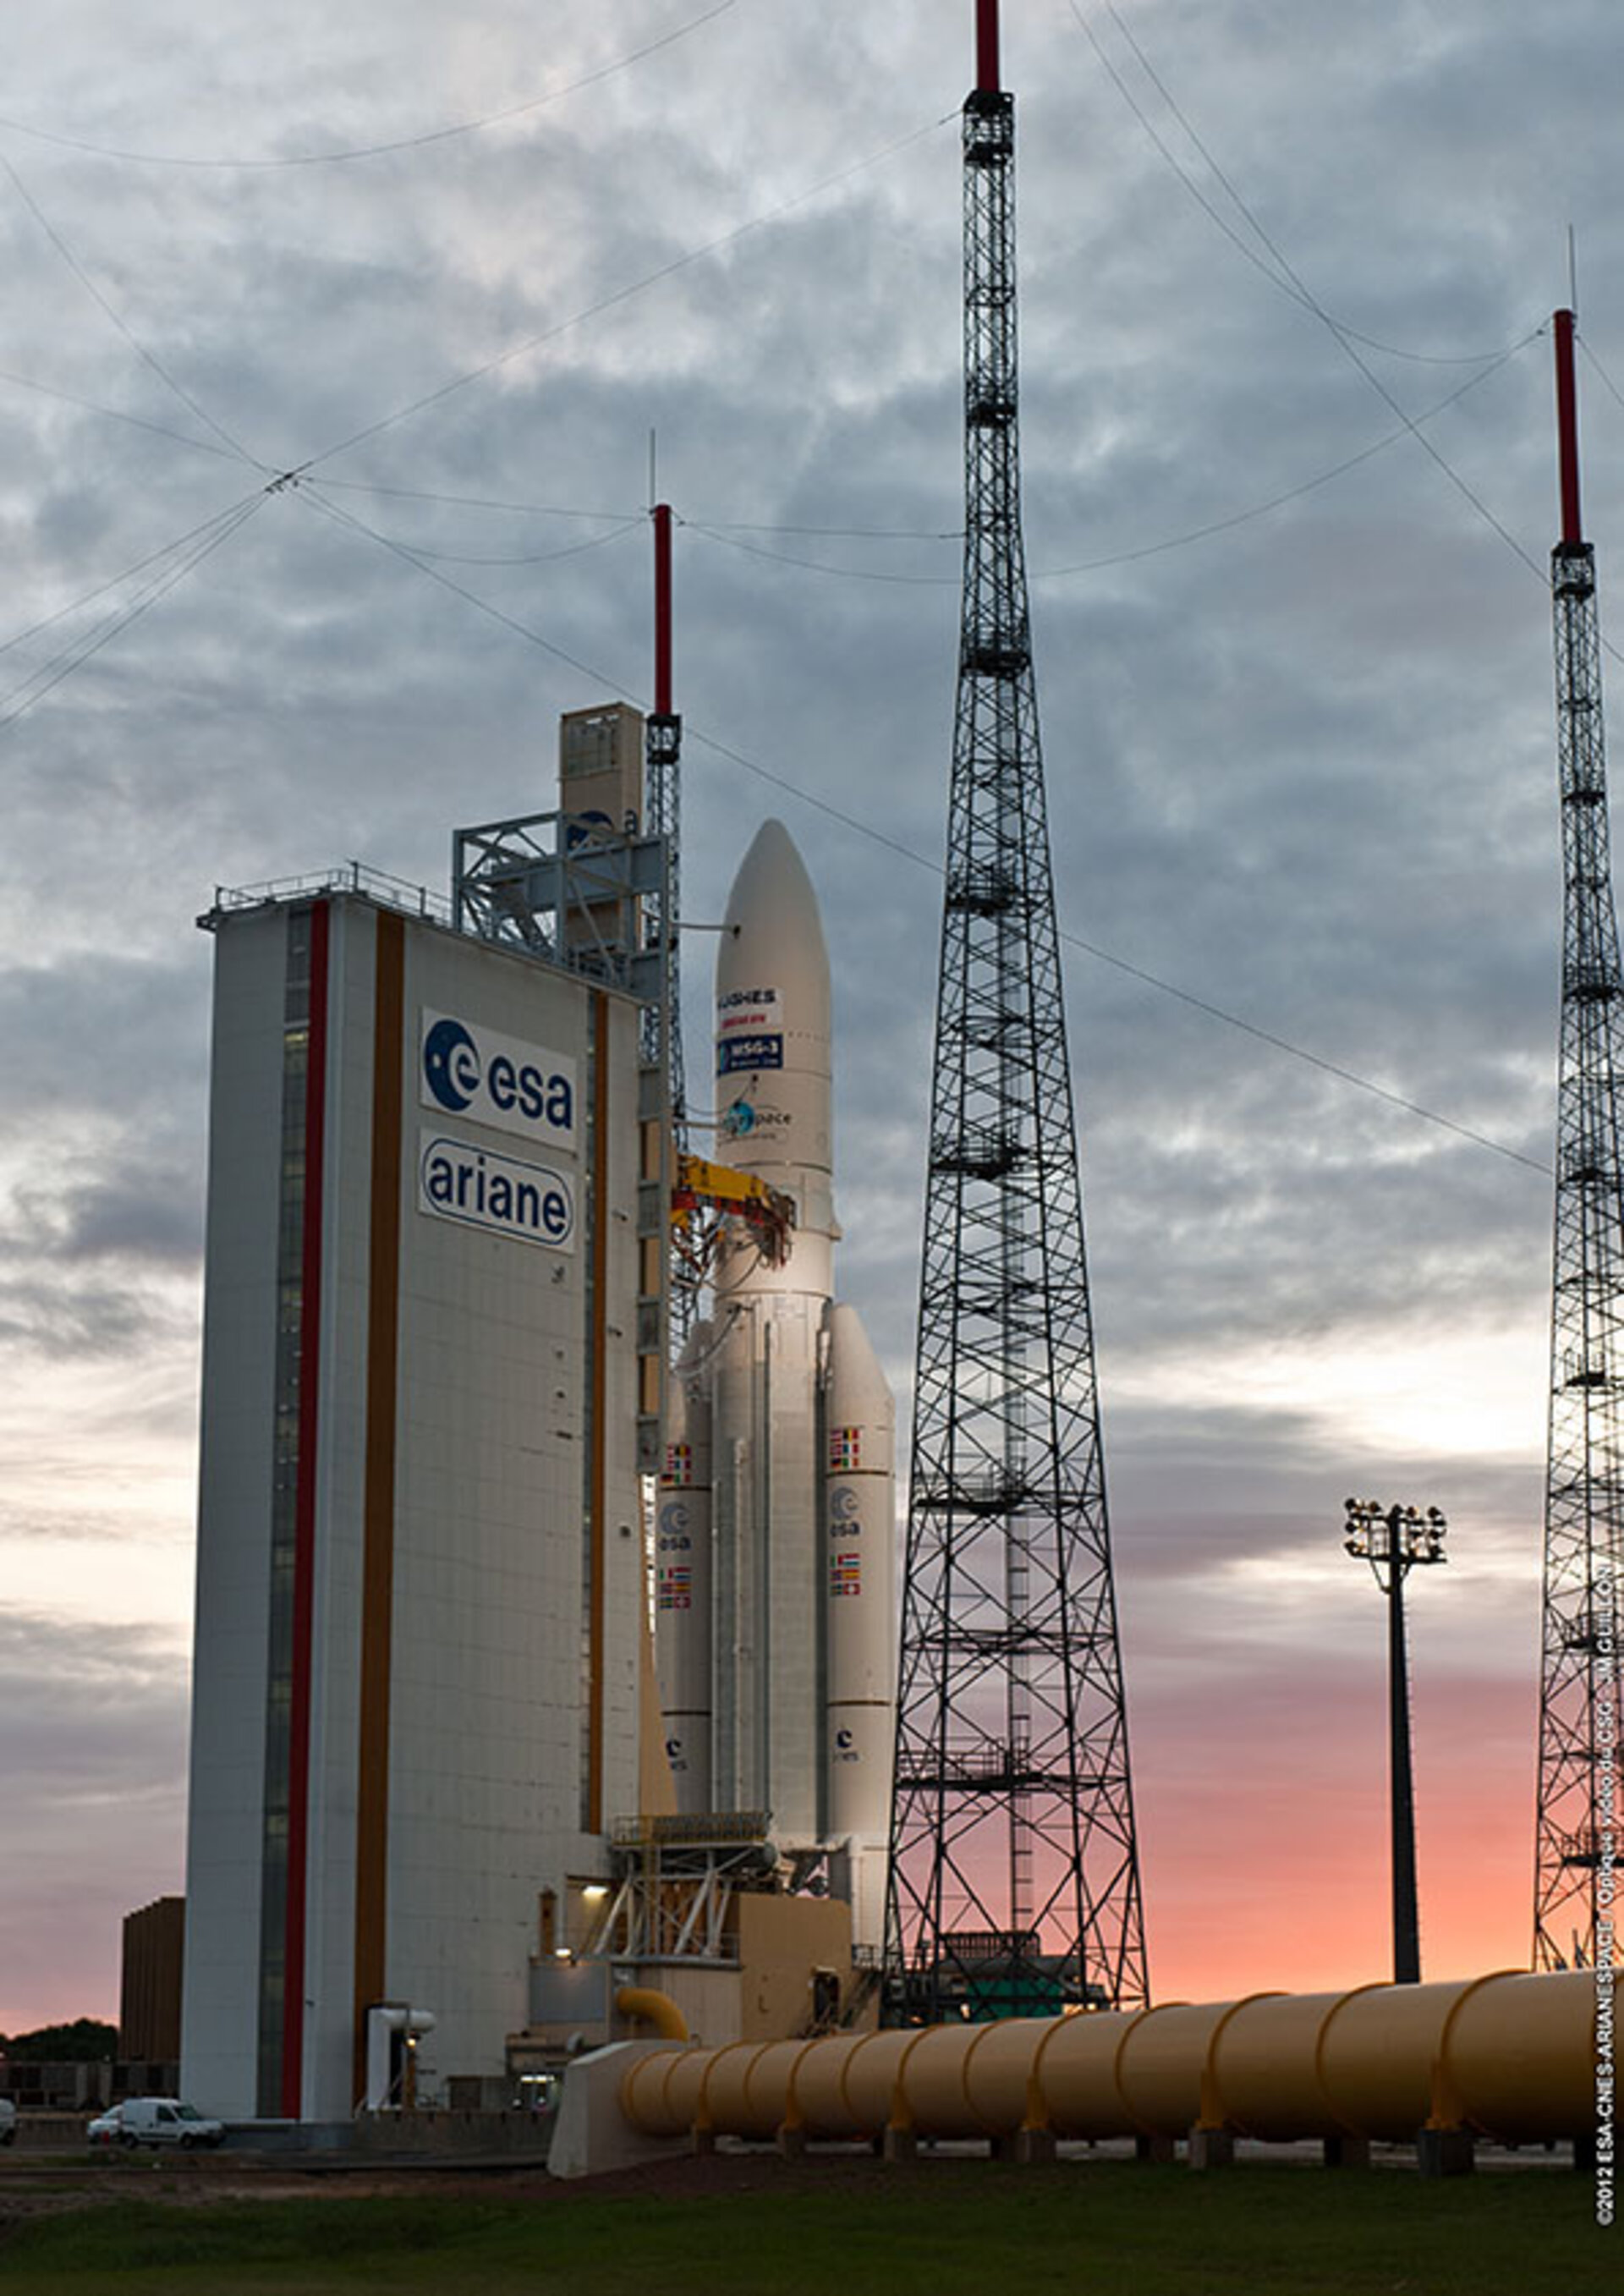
(1584, 1528)
(1014, 1881)
(663, 1038)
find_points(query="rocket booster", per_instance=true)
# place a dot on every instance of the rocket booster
(859, 1611)
(802, 1698)
(774, 1097)
(682, 1575)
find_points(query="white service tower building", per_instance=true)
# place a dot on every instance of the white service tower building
(420, 1571)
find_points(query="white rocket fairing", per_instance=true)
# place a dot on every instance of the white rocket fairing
(802, 1622)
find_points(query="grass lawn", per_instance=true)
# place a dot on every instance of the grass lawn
(935, 2229)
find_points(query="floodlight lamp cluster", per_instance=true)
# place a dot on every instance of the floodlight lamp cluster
(1404, 1535)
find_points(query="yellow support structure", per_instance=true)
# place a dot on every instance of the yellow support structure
(721, 1188)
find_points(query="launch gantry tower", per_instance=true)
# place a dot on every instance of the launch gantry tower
(1014, 1878)
(662, 1049)
(1584, 1533)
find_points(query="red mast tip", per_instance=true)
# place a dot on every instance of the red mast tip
(1567, 429)
(987, 47)
(662, 609)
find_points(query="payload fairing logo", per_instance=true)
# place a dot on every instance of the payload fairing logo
(748, 1030)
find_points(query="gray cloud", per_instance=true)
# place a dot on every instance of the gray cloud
(95, 1033)
(60, 1321)
(1302, 767)
(142, 1217)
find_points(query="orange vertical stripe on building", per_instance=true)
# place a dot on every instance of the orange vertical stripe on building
(600, 1433)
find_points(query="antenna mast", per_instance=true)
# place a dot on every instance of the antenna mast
(1584, 1523)
(662, 756)
(1014, 1881)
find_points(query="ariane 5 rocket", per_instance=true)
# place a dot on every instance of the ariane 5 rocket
(776, 1566)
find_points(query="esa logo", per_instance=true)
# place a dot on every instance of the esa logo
(845, 1747)
(496, 1081)
(451, 1065)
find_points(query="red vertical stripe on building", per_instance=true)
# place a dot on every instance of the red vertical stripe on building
(304, 1525)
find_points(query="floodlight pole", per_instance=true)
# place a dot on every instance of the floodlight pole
(1392, 1539)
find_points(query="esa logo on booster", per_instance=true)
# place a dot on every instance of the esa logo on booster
(497, 1081)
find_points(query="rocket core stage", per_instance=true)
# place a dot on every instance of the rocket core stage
(775, 1621)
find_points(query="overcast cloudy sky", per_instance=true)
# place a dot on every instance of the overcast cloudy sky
(1296, 690)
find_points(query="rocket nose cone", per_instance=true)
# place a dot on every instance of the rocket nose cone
(772, 901)
(772, 1053)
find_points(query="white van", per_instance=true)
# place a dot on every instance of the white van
(166, 2121)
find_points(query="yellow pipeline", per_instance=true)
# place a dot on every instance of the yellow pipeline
(1508, 2056)
(656, 2009)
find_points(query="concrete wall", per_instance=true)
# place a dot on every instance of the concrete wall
(219, 2027)
(782, 1941)
(148, 1989)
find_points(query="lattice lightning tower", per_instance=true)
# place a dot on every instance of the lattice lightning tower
(1014, 1870)
(1584, 1537)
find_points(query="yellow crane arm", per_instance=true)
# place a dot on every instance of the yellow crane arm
(766, 1211)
